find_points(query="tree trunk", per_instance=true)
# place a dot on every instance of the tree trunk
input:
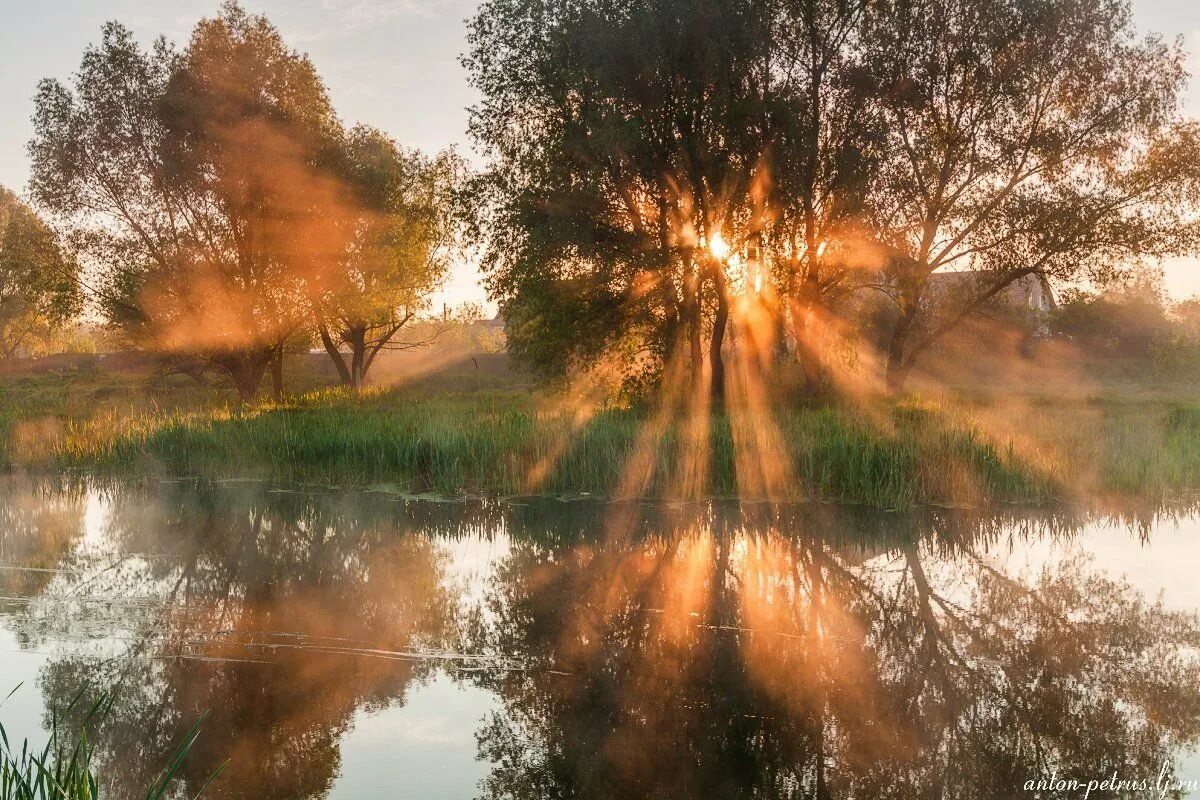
(695, 344)
(780, 353)
(897, 366)
(246, 372)
(716, 358)
(912, 276)
(277, 376)
(335, 355)
(897, 376)
(358, 358)
(191, 368)
(670, 298)
(808, 349)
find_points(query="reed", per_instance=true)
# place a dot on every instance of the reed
(62, 769)
(882, 454)
(502, 440)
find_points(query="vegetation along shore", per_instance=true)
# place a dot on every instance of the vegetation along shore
(468, 433)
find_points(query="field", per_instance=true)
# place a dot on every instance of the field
(473, 427)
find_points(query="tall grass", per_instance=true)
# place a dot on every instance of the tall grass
(887, 455)
(62, 769)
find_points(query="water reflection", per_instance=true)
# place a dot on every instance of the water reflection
(765, 663)
(634, 651)
(37, 529)
(278, 616)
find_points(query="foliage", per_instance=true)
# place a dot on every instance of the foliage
(1114, 322)
(1026, 139)
(400, 235)
(39, 283)
(843, 147)
(190, 180)
(1132, 322)
(624, 138)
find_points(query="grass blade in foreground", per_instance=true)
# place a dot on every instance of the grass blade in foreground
(59, 774)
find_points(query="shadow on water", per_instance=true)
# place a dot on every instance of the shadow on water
(709, 650)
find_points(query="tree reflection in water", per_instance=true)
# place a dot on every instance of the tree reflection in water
(278, 615)
(784, 658)
(38, 527)
(710, 651)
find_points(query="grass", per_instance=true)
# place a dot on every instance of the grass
(62, 770)
(505, 441)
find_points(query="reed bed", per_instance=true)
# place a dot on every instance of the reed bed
(882, 454)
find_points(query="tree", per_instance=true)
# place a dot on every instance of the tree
(825, 151)
(1186, 314)
(194, 182)
(39, 283)
(1129, 319)
(400, 232)
(1024, 139)
(626, 142)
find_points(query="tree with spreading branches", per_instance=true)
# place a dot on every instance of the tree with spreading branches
(194, 183)
(1024, 139)
(400, 233)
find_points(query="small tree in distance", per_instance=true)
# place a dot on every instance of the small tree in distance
(400, 234)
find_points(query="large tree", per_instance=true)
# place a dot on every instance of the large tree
(665, 172)
(1025, 139)
(399, 231)
(39, 283)
(193, 181)
(626, 145)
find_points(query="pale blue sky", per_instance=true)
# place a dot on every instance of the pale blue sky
(389, 63)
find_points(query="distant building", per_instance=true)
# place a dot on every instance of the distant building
(1031, 292)
(496, 323)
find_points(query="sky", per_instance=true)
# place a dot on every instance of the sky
(392, 64)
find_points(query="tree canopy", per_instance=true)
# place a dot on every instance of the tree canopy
(224, 205)
(39, 283)
(664, 173)
(627, 142)
(669, 184)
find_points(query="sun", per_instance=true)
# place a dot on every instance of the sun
(718, 246)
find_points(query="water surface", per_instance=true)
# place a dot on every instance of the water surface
(362, 645)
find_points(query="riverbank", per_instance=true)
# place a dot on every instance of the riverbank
(454, 438)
